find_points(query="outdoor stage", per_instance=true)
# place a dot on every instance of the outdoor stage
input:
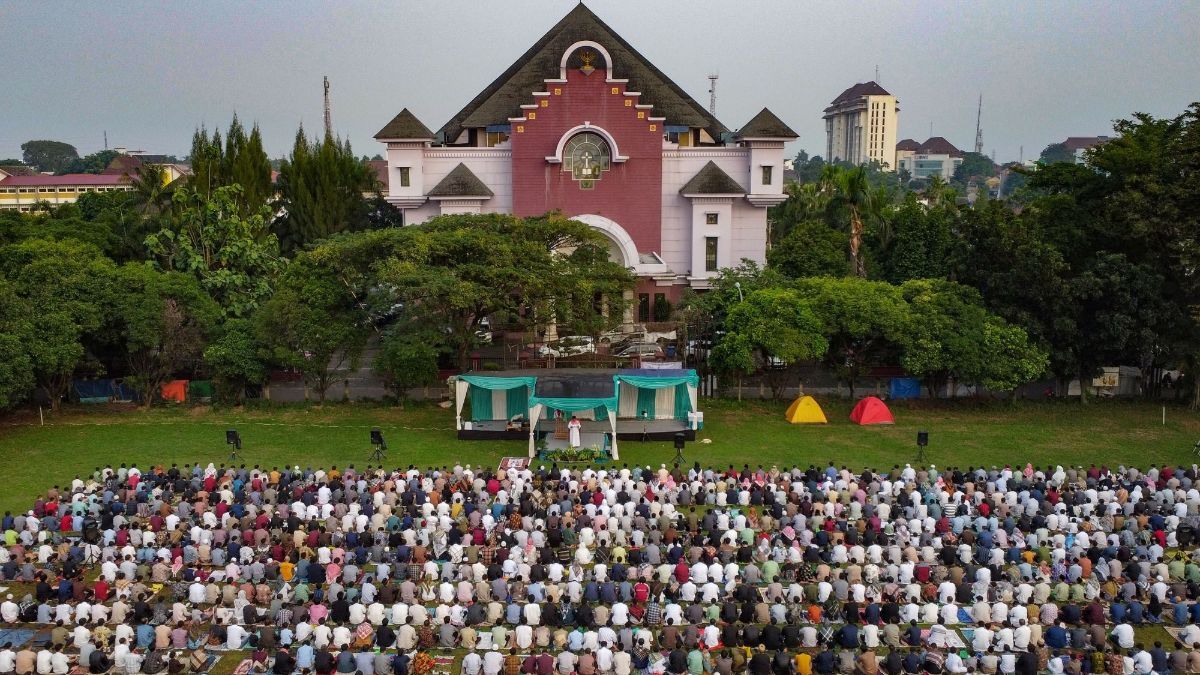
(631, 429)
(612, 405)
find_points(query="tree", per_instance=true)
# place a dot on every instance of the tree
(16, 367)
(239, 160)
(810, 249)
(853, 196)
(1011, 360)
(920, 241)
(805, 202)
(66, 286)
(313, 322)
(94, 163)
(808, 169)
(406, 361)
(322, 187)
(236, 359)
(734, 355)
(162, 320)
(152, 192)
(864, 322)
(1056, 153)
(52, 156)
(778, 327)
(974, 165)
(944, 338)
(454, 271)
(235, 257)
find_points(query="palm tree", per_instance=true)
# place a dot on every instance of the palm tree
(939, 193)
(151, 190)
(852, 192)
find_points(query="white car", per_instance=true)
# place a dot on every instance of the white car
(570, 345)
(646, 351)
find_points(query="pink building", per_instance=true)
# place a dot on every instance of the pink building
(584, 124)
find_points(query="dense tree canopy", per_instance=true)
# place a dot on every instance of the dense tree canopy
(51, 156)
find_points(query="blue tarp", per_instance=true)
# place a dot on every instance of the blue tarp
(102, 391)
(904, 387)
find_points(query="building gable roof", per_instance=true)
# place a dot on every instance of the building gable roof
(908, 144)
(404, 125)
(711, 180)
(766, 125)
(858, 91)
(460, 182)
(939, 146)
(503, 98)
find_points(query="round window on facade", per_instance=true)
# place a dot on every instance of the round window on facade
(587, 156)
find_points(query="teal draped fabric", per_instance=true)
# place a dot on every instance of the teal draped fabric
(481, 404)
(518, 401)
(601, 413)
(573, 404)
(645, 403)
(683, 402)
(644, 382)
(485, 382)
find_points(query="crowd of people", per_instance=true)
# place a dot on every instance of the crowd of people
(607, 571)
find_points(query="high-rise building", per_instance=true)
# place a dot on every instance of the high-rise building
(860, 126)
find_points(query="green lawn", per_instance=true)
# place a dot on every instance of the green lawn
(79, 439)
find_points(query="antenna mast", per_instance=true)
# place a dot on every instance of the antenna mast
(328, 118)
(979, 129)
(712, 93)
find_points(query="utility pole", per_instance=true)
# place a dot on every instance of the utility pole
(712, 93)
(979, 129)
(106, 139)
(328, 118)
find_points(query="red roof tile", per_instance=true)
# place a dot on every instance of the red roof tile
(68, 179)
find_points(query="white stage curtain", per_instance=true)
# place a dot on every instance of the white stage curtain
(500, 405)
(664, 403)
(628, 402)
(460, 397)
(612, 421)
(535, 413)
(692, 396)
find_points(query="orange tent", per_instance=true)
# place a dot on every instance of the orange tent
(175, 390)
(871, 410)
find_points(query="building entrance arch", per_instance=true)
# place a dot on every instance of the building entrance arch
(622, 243)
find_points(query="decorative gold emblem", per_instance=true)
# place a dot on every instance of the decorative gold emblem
(586, 56)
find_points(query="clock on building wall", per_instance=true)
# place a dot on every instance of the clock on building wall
(586, 156)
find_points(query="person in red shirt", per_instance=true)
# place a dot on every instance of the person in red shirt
(100, 590)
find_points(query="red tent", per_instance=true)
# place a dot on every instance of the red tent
(871, 410)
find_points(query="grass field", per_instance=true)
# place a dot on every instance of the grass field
(78, 439)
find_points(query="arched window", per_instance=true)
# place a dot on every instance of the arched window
(587, 155)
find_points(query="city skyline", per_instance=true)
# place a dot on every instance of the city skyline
(149, 74)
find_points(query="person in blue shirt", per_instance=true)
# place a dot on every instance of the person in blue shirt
(304, 657)
(1056, 636)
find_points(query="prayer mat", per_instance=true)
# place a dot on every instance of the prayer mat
(17, 636)
(41, 638)
(1176, 634)
(952, 640)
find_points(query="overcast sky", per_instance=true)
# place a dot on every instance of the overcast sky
(150, 72)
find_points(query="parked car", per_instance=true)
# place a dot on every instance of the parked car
(646, 351)
(568, 346)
